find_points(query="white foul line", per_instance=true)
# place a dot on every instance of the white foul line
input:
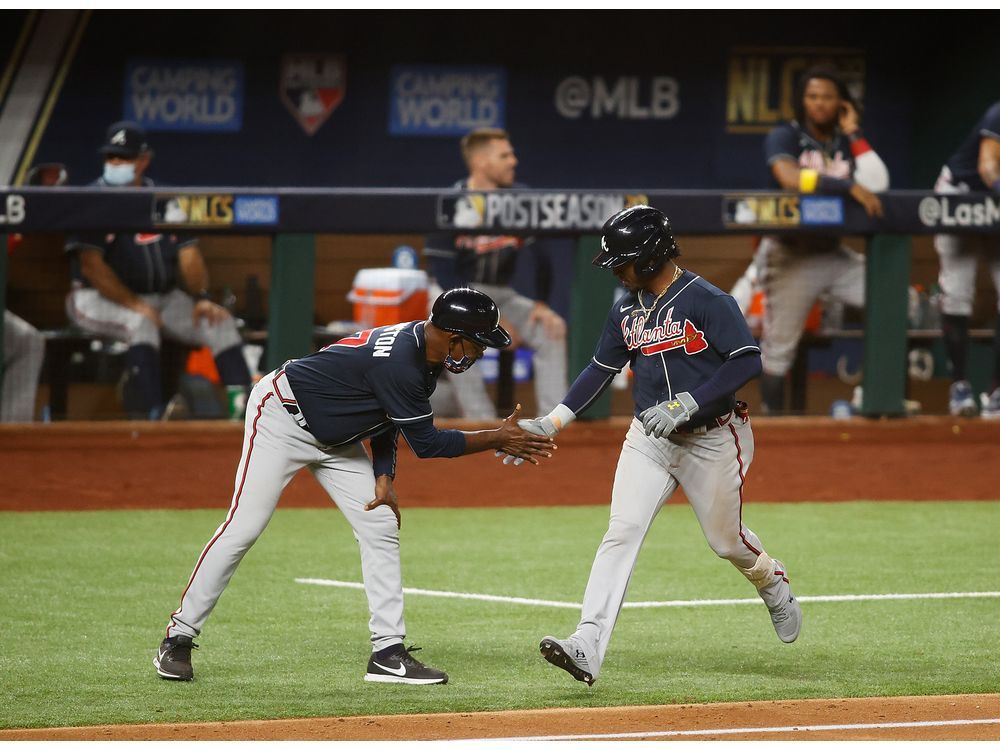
(669, 603)
(750, 730)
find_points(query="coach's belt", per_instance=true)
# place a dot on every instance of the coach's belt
(285, 397)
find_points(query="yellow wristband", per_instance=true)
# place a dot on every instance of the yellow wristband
(808, 179)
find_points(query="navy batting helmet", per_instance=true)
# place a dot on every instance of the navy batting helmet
(472, 314)
(640, 235)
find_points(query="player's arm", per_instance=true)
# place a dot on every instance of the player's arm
(989, 161)
(869, 169)
(103, 278)
(790, 176)
(384, 468)
(194, 274)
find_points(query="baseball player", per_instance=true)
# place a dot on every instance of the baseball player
(315, 412)
(136, 287)
(975, 166)
(690, 351)
(823, 151)
(487, 262)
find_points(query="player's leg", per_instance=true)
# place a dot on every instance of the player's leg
(712, 471)
(990, 401)
(957, 256)
(23, 352)
(792, 281)
(846, 271)
(221, 338)
(642, 484)
(274, 449)
(548, 352)
(93, 313)
(346, 475)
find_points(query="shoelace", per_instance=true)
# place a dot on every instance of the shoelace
(183, 649)
(408, 659)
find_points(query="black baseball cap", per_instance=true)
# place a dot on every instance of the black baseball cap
(125, 140)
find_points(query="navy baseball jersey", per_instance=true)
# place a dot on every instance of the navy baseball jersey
(146, 262)
(370, 384)
(463, 259)
(790, 141)
(686, 339)
(964, 163)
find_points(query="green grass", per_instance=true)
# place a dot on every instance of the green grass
(86, 597)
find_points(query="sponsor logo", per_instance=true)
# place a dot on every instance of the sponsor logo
(13, 210)
(185, 95)
(761, 82)
(505, 210)
(761, 210)
(623, 98)
(193, 210)
(255, 209)
(668, 335)
(956, 212)
(312, 87)
(400, 671)
(819, 210)
(445, 100)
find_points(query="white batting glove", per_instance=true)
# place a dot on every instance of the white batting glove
(547, 426)
(663, 418)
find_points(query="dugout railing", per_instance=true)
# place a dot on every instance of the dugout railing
(293, 216)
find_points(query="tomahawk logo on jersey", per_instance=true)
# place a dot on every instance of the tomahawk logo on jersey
(681, 344)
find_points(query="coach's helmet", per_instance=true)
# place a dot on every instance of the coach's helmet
(640, 235)
(472, 315)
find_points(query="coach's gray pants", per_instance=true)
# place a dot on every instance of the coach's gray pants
(275, 447)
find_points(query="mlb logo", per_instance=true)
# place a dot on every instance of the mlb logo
(462, 212)
(312, 87)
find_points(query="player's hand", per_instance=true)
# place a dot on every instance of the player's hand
(517, 442)
(148, 311)
(552, 323)
(663, 418)
(385, 494)
(868, 200)
(515, 336)
(213, 313)
(849, 120)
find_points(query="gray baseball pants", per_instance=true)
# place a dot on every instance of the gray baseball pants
(711, 467)
(275, 447)
(23, 353)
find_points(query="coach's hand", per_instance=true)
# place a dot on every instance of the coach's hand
(213, 313)
(520, 444)
(385, 494)
(663, 418)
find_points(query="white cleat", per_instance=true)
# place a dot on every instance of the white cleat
(568, 655)
(787, 619)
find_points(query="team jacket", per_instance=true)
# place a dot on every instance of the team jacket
(462, 259)
(374, 384)
(961, 171)
(692, 331)
(146, 262)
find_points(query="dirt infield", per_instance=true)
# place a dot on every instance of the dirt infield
(936, 718)
(118, 465)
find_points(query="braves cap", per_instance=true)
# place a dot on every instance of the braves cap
(125, 140)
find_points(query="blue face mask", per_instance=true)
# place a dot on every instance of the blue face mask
(119, 174)
(459, 365)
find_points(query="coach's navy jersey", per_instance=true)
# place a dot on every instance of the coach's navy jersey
(371, 382)
(464, 259)
(964, 163)
(146, 262)
(690, 333)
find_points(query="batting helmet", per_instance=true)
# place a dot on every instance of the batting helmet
(472, 314)
(641, 235)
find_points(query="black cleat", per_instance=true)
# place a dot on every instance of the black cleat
(567, 655)
(394, 664)
(173, 659)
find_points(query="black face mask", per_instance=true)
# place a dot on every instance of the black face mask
(461, 365)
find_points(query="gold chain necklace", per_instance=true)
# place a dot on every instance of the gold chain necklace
(649, 311)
